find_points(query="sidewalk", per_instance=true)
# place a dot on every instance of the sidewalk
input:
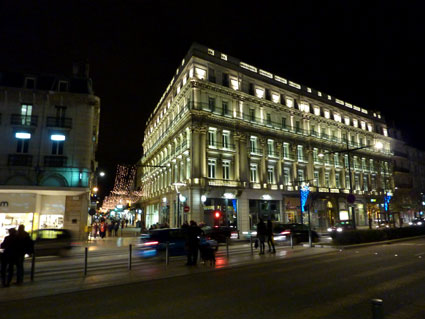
(148, 272)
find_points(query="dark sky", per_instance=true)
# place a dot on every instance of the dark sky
(371, 56)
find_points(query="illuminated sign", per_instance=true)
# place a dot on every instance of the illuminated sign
(23, 135)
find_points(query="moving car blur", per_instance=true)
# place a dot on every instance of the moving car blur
(154, 242)
(344, 225)
(417, 222)
(48, 242)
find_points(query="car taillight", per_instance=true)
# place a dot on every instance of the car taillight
(286, 232)
(150, 243)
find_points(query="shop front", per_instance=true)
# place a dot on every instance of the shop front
(221, 212)
(292, 209)
(266, 209)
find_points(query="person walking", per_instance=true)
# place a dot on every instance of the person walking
(261, 234)
(9, 257)
(95, 229)
(193, 235)
(102, 229)
(25, 246)
(110, 228)
(116, 227)
(270, 240)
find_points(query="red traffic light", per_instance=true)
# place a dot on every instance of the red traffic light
(217, 214)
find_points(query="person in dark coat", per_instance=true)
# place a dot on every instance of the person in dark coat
(9, 257)
(25, 246)
(116, 227)
(261, 234)
(192, 242)
(270, 241)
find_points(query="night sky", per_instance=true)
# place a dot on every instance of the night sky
(371, 56)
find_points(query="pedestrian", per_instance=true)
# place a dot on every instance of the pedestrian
(126, 222)
(110, 228)
(270, 240)
(116, 227)
(185, 225)
(25, 246)
(102, 229)
(95, 229)
(192, 243)
(9, 257)
(122, 223)
(261, 234)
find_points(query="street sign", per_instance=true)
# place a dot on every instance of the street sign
(351, 198)
(186, 209)
(92, 211)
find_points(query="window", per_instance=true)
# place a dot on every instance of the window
(234, 83)
(57, 147)
(252, 115)
(327, 184)
(211, 75)
(60, 112)
(283, 122)
(316, 178)
(211, 104)
(347, 120)
(336, 159)
(373, 182)
(225, 138)
(225, 108)
(315, 155)
(327, 114)
(212, 132)
(211, 167)
(286, 176)
(188, 168)
(259, 92)
(300, 153)
(363, 164)
(226, 169)
(270, 175)
(253, 144)
(270, 147)
(253, 170)
(317, 111)
(285, 150)
(181, 171)
(346, 160)
(371, 166)
(26, 110)
(269, 119)
(225, 79)
(300, 175)
(305, 107)
(337, 181)
(357, 182)
(289, 102)
(365, 184)
(347, 181)
(355, 123)
(297, 126)
(22, 143)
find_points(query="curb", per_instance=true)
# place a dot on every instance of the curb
(388, 242)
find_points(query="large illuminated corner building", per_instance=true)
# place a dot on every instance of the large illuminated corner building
(240, 140)
(48, 138)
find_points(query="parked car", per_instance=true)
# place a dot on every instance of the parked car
(154, 242)
(344, 225)
(417, 222)
(53, 241)
(282, 233)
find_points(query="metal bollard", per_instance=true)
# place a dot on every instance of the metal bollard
(252, 248)
(227, 247)
(129, 257)
(292, 242)
(377, 311)
(33, 266)
(167, 255)
(85, 260)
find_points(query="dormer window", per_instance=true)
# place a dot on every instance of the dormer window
(30, 83)
(63, 86)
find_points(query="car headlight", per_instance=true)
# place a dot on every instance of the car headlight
(419, 223)
(329, 229)
(339, 229)
(410, 223)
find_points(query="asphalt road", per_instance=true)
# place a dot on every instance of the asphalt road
(338, 284)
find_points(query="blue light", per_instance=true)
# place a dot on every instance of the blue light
(304, 190)
(387, 199)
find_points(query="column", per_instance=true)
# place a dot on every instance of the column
(263, 166)
(203, 154)
(279, 163)
(243, 159)
(236, 167)
(195, 153)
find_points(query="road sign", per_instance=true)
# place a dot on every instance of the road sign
(186, 209)
(351, 198)
(92, 211)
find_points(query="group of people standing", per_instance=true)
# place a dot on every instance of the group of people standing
(15, 246)
(112, 227)
(265, 232)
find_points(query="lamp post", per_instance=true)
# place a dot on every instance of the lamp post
(350, 197)
(179, 198)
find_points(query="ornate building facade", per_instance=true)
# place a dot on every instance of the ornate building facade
(49, 130)
(231, 138)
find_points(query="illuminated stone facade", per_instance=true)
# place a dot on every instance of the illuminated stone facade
(246, 139)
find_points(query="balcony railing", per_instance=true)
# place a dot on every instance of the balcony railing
(20, 160)
(222, 146)
(62, 122)
(24, 120)
(256, 151)
(55, 161)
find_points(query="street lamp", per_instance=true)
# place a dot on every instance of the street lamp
(180, 197)
(378, 145)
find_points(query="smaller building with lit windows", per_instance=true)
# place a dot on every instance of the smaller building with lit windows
(48, 136)
(228, 136)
